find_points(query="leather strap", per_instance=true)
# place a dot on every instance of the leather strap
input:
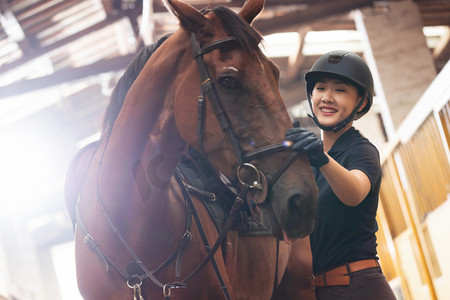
(341, 274)
(321, 280)
(353, 267)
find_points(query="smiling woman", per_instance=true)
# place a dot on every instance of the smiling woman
(348, 174)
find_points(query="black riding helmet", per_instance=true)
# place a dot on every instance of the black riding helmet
(349, 67)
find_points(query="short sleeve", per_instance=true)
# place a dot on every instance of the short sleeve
(365, 157)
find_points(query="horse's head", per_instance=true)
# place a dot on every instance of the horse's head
(247, 115)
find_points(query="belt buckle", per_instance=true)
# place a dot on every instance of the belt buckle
(314, 279)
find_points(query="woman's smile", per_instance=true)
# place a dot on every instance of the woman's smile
(327, 110)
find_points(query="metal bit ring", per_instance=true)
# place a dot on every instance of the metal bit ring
(257, 183)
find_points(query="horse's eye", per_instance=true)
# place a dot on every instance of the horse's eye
(228, 82)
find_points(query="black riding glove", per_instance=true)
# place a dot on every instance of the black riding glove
(305, 140)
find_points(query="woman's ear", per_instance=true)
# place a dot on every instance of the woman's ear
(363, 104)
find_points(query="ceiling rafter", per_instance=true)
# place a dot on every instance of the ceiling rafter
(58, 44)
(295, 62)
(12, 28)
(67, 75)
(312, 14)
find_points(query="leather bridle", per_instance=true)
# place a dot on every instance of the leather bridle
(209, 92)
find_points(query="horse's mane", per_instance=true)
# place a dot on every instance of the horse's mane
(247, 37)
(124, 84)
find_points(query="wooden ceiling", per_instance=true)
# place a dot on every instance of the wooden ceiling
(76, 39)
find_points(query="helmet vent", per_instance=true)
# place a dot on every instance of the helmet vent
(335, 58)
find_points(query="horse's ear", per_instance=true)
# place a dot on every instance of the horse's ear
(190, 18)
(251, 9)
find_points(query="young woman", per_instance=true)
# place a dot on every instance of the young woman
(347, 169)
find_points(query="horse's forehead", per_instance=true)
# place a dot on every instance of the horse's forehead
(216, 27)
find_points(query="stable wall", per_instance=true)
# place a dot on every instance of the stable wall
(399, 58)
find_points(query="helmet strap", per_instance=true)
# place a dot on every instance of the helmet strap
(341, 124)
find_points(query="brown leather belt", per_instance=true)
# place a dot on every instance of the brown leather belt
(340, 275)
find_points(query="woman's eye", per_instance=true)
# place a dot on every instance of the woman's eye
(228, 82)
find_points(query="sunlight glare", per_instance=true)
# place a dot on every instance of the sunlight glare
(23, 167)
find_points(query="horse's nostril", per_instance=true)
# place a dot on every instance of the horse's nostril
(298, 220)
(294, 203)
(302, 204)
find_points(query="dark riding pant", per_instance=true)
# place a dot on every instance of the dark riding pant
(369, 284)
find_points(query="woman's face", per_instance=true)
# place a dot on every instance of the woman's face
(333, 100)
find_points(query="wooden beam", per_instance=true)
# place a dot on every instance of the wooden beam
(294, 63)
(111, 6)
(66, 75)
(44, 50)
(13, 29)
(437, 20)
(270, 4)
(441, 52)
(314, 13)
(32, 23)
(443, 46)
(10, 24)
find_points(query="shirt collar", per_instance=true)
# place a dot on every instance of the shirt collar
(343, 141)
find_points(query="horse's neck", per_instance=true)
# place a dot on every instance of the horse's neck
(161, 156)
(144, 112)
(144, 146)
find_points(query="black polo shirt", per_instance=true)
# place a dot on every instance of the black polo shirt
(343, 233)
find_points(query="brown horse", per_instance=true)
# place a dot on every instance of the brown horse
(142, 230)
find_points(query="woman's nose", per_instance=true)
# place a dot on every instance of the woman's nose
(327, 96)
